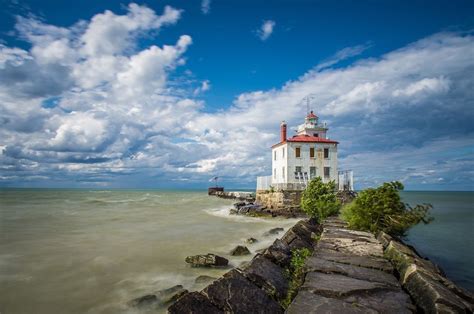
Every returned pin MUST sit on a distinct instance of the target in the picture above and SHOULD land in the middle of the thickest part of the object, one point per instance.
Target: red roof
(311, 115)
(307, 139)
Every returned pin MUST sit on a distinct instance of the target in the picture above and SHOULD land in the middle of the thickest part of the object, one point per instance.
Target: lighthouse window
(326, 153)
(283, 152)
(297, 152)
(274, 173)
(283, 172)
(316, 134)
(311, 152)
(326, 171)
(274, 155)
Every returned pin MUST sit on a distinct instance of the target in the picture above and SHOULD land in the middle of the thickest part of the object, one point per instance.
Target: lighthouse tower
(304, 156)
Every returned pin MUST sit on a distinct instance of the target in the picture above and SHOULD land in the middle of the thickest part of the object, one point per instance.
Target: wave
(224, 212)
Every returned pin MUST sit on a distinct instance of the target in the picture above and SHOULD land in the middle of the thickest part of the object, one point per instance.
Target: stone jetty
(348, 272)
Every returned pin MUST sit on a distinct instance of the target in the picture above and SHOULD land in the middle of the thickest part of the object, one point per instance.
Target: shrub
(295, 273)
(319, 199)
(381, 209)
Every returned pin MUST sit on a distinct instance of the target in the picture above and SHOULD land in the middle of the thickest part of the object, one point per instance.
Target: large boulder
(207, 260)
(432, 296)
(194, 302)
(240, 250)
(234, 293)
(279, 252)
(268, 276)
(425, 282)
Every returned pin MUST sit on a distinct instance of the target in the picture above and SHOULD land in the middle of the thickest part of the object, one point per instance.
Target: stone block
(194, 302)
(268, 276)
(234, 293)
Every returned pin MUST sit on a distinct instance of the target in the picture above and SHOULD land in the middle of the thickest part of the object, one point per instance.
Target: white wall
(279, 163)
(305, 162)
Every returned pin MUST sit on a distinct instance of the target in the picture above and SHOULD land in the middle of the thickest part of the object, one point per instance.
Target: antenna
(308, 98)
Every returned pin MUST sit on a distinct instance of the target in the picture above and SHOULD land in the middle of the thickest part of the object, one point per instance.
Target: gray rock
(251, 241)
(273, 231)
(240, 250)
(161, 297)
(204, 279)
(336, 286)
(236, 294)
(324, 266)
(268, 276)
(363, 261)
(430, 295)
(300, 235)
(207, 260)
(309, 303)
(279, 252)
(194, 302)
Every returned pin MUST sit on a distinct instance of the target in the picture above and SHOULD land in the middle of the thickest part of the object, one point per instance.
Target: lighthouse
(304, 156)
(298, 159)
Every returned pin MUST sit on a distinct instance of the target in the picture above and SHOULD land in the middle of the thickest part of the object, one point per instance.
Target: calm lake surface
(80, 251)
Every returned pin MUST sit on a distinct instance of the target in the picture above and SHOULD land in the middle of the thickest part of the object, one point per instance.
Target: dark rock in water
(170, 295)
(207, 260)
(146, 300)
(161, 297)
(273, 231)
(204, 279)
(238, 205)
(251, 240)
(267, 275)
(234, 293)
(279, 252)
(240, 250)
(194, 302)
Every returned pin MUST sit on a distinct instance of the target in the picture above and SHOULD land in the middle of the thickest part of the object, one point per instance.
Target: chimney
(283, 131)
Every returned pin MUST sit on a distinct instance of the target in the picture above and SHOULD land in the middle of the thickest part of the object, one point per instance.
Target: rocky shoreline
(353, 272)
(258, 287)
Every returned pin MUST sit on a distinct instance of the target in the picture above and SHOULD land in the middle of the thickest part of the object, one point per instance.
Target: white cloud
(426, 85)
(119, 112)
(109, 34)
(266, 29)
(205, 86)
(206, 6)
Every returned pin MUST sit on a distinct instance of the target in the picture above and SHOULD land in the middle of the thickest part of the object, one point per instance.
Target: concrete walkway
(348, 274)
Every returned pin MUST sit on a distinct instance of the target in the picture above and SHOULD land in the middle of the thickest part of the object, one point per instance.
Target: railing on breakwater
(345, 182)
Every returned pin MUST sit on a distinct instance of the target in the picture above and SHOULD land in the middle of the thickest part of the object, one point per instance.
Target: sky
(168, 94)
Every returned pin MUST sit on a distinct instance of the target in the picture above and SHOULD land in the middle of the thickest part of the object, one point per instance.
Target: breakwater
(348, 271)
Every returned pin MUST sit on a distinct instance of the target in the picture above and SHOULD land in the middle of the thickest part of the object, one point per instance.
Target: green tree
(381, 209)
(319, 199)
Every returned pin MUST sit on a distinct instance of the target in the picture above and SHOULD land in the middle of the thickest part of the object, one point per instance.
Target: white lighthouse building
(308, 154)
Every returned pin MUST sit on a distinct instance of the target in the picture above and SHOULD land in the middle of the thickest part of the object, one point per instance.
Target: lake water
(449, 239)
(79, 251)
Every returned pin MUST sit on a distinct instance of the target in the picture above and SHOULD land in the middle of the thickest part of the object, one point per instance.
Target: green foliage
(381, 209)
(295, 273)
(272, 189)
(319, 199)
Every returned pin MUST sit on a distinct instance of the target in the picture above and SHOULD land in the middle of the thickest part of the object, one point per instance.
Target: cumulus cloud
(266, 30)
(78, 110)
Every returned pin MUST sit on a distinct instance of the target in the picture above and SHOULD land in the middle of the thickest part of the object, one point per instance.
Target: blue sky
(169, 93)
